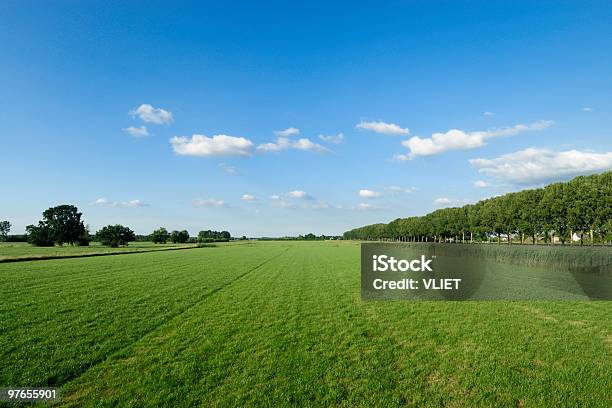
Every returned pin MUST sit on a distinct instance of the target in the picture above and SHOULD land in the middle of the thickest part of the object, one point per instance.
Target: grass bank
(558, 256)
(19, 252)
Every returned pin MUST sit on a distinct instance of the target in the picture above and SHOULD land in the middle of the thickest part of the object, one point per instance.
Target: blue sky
(438, 104)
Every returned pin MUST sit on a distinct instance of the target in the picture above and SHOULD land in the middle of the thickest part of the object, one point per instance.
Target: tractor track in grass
(169, 319)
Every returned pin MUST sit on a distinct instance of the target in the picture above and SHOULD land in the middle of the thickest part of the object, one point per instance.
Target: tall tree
(5, 228)
(64, 224)
(160, 236)
(115, 235)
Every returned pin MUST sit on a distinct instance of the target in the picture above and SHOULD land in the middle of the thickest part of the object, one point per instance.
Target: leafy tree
(179, 237)
(160, 236)
(5, 228)
(85, 239)
(212, 236)
(64, 223)
(582, 205)
(115, 235)
(39, 235)
(60, 224)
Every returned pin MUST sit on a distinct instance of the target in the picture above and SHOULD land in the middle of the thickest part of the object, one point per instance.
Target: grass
(558, 256)
(282, 324)
(10, 251)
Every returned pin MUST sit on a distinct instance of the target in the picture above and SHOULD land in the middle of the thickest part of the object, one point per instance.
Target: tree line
(555, 213)
(63, 225)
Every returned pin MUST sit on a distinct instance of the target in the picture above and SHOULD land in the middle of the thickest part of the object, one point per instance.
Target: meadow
(283, 324)
(10, 251)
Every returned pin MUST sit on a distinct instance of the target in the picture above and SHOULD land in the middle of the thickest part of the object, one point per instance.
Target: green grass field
(19, 250)
(282, 324)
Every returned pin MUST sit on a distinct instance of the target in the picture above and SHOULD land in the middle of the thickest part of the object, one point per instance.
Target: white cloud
(103, 202)
(228, 169)
(369, 194)
(291, 131)
(481, 184)
(446, 202)
(456, 139)
(275, 197)
(534, 165)
(218, 145)
(298, 194)
(209, 202)
(334, 139)
(248, 197)
(487, 113)
(401, 157)
(366, 206)
(384, 128)
(136, 131)
(587, 109)
(397, 190)
(308, 145)
(283, 143)
(148, 113)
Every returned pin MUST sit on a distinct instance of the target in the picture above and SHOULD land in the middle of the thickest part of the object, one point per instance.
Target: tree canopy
(160, 236)
(179, 237)
(212, 236)
(61, 224)
(5, 228)
(582, 205)
(115, 235)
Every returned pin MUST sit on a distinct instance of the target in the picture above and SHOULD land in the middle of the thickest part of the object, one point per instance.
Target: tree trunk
(499, 238)
(509, 239)
(591, 232)
(471, 237)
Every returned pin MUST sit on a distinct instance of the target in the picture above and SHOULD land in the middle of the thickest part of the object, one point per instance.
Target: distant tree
(5, 228)
(179, 237)
(60, 224)
(205, 236)
(160, 236)
(85, 239)
(310, 237)
(64, 224)
(115, 235)
(39, 235)
(556, 211)
(243, 238)
(212, 236)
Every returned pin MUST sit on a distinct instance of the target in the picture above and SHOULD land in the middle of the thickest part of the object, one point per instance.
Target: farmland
(282, 324)
(21, 250)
